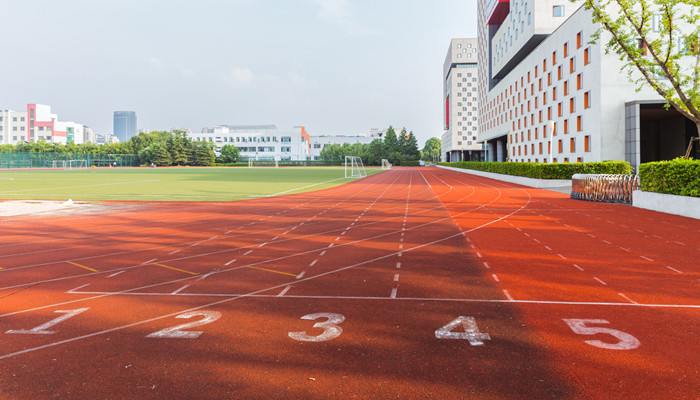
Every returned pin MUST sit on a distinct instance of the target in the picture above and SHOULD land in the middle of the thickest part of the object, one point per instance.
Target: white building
(540, 71)
(460, 102)
(38, 123)
(319, 142)
(259, 142)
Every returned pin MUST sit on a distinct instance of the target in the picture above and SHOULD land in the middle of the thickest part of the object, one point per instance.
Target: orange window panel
(587, 100)
(587, 143)
(579, 124)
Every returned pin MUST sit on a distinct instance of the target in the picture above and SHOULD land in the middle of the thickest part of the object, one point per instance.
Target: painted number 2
(178, 332)
(625, 340)
(471, 331)
(330, 327)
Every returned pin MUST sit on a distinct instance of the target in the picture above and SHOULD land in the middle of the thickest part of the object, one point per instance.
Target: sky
(338, 67)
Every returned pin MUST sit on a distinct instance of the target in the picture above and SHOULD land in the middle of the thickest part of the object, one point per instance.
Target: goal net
(77, 164)
(385, 164)
(58, 164)
(263, 163)
(354, 167)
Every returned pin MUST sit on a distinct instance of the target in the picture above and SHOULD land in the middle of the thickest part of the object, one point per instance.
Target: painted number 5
(625, 340)
(330, 327)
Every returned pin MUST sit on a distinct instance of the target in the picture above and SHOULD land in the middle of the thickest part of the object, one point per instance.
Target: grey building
(125, 125)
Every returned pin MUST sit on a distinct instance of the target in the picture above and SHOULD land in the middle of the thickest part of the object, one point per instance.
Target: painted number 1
(42, 329)
(625, 340)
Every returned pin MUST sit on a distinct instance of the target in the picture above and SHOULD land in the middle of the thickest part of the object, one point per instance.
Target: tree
(180, 147)
(432, 149)
(661, 40)
(412, 147)
(229, 154)
(390, 140)
(203, 154)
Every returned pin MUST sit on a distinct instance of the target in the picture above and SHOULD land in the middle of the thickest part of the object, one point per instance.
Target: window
(656, 22)
(566, 49)
(579, 124)
(554, 94)
(579, 81)
(566, 88)
(559, 110)
(554, 58)
(578, 40)
(587, 100)
(558, 11)
(587, 143)
(586, 56)
(559, 72)
(549, 79)
(560, 144)
(572, 105)
(572, 145)
(572, 64)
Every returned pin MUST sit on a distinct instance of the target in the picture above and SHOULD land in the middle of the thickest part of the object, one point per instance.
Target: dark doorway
(664, 134)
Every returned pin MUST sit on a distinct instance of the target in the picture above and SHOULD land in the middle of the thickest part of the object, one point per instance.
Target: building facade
(259, 142)
(125, 125)
(460, 102)
(549, 95)
(319, 142)
(38, 123)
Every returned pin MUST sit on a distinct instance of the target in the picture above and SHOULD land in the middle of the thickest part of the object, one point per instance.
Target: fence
(15, 160)
(604, 187)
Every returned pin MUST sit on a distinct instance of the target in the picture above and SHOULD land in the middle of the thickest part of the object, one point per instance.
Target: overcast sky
(335, 66)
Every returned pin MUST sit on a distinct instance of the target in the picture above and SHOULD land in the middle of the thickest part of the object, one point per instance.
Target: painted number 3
(625, 340)
(330, 327)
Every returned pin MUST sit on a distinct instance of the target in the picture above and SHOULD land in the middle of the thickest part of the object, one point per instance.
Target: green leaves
(680, 177)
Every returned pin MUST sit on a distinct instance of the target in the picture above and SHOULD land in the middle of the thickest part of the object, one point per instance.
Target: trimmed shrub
(680, 177)
(546, 171)
(409, 163)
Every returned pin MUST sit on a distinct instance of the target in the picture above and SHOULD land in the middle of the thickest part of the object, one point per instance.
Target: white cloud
(155, 63)
(340, 13)
(185, 72)
(240, 76)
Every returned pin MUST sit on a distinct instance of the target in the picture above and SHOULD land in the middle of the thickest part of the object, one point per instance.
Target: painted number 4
(471, 331)
(625, 340)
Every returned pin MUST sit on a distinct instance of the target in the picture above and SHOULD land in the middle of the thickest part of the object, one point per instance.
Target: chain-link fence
(15, 160)
(604, 187)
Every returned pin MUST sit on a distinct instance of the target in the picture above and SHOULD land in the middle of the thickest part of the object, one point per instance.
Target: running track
(414, 283)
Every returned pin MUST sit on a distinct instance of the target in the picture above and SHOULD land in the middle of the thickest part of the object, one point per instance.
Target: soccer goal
(58, 164)
(354, 167)
(385, 164)
(77, 164)
(263, 163)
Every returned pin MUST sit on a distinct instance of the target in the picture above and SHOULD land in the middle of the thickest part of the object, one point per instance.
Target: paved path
(414, 283)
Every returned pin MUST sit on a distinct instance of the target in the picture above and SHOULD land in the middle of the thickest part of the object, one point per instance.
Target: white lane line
(400, 254)
(313, 262)
(78, 288)
(398, 265)
(331, 245)
(508, 296)
(247, 252)
(180, 290)
(495, 278)
(627, 298)
(472, 246)
(681, 243)
(274, 238)
(195, 244)
(674, 270)
(486, 265)
(527, 234)
(647, 258)
(116, 273)
(262, 244)
(605, 241)
(600, 281)
(208, 274)
(285, 232)
(561, 256)
(336, 239)
(581, 269)
(548, 248)
(478, 254)
(396, 277)
(393, 293)
(301, 275)
(231, 262)
(284, 291)
(148, 262)
(322, 253)
(624, 249)
(173, 252)
(536, 240)
(401, 247)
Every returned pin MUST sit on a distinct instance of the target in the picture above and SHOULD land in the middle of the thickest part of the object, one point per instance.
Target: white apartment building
(460, 102)
(259, 142)
(38, 123)
(319, 142)
(548, 95)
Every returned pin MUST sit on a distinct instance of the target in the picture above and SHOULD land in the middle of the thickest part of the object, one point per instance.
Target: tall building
(460, 102)
(546, 94)
(125, 125)
(38, 123)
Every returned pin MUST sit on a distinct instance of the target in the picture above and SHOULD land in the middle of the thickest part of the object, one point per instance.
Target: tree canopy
(660, 39)
(432, 149)
(396, 149)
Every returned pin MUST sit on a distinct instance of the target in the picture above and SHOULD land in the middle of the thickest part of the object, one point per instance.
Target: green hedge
(680, 177)
(409, 163)
(546, 171)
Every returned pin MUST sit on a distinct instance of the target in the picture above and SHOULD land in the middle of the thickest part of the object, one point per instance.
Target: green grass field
(168, 184)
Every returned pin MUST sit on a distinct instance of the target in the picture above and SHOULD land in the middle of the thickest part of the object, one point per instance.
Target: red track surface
(578, 299)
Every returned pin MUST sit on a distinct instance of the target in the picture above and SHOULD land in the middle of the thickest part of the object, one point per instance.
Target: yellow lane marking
(82, 266)
(269, 270)
(177, 269)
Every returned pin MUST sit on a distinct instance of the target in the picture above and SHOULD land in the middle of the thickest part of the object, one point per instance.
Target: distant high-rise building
(460, 101)
(125, 125)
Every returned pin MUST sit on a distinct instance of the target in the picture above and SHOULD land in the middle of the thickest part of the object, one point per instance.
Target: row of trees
(162, 148)
(395, 148)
